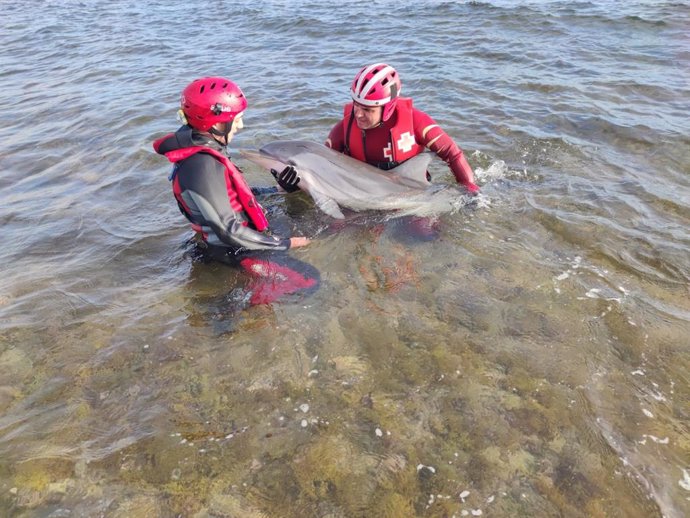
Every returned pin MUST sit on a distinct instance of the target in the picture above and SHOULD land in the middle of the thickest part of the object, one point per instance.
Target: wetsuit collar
(197, 138)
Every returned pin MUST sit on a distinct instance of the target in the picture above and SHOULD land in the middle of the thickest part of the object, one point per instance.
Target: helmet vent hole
(384, 82)
(213, 85)
(203, 87)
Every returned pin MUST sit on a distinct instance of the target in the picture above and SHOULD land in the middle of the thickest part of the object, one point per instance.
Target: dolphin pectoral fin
(326, 204)
(412, 172)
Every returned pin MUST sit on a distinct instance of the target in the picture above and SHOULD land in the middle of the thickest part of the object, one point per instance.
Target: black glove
(287, 178)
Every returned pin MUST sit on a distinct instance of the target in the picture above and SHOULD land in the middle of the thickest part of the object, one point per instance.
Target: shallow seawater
(531, 359)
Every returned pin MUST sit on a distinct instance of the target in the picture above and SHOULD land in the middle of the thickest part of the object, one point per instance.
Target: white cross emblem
(388, 152)
(405, 142)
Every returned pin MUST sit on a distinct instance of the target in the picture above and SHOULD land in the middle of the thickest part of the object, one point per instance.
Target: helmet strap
(218, 135)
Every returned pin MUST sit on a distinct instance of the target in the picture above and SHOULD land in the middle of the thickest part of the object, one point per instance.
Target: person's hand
(473, 188)
(296, 242)
(287, 178)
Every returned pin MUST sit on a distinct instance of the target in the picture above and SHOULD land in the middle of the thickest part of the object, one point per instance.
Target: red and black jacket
(212, 193)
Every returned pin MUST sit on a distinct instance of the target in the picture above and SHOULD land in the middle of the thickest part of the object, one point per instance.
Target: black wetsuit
(200, 180)
(200, 185)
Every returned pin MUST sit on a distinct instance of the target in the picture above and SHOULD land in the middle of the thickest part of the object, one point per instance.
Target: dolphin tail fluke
(412, 172)
(326, 204)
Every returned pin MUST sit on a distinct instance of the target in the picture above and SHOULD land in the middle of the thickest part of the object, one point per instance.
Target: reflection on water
(526, 357)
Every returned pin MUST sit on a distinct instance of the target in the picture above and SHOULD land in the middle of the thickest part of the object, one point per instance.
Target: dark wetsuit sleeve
(336, 138)
(202, 182)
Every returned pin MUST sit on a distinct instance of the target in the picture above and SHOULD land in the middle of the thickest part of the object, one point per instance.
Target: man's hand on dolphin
(298, 242)
(287, 178)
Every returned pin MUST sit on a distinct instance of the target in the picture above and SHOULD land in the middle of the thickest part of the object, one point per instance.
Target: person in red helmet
(213, 195)
(383, 129)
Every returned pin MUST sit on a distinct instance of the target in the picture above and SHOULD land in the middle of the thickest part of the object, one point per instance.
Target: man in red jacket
(383, 129)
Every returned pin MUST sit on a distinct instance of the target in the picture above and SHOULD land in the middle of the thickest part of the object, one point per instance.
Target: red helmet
(210, 100)
(377, 85)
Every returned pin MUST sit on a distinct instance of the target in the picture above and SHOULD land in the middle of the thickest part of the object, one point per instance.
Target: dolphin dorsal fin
(412, 172)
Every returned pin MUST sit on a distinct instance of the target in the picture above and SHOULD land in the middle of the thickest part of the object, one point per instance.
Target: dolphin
(335, 180)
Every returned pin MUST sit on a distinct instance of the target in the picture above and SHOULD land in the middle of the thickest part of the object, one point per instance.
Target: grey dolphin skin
(336, 180)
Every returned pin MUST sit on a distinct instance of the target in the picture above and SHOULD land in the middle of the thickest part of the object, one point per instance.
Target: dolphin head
(280, 153)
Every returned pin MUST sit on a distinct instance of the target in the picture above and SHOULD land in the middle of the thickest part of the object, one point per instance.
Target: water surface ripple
(531, 361)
